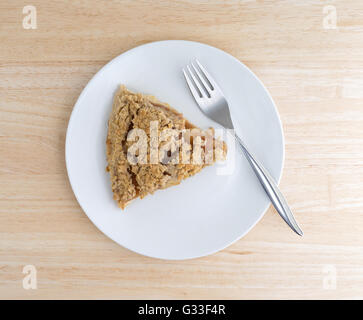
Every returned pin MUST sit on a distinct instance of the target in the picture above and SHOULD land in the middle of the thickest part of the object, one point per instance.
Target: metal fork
(214, 105)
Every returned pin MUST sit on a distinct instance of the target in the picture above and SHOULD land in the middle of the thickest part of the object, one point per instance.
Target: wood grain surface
(313, 71)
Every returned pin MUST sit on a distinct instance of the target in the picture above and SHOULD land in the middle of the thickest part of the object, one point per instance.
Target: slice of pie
(151, 146)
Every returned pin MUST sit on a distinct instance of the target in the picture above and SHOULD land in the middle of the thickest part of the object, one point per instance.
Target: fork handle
(271, 189)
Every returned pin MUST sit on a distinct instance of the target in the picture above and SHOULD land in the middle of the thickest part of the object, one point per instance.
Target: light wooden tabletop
(313, 68)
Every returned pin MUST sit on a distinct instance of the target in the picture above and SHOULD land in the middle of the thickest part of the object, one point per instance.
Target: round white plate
(206, 212)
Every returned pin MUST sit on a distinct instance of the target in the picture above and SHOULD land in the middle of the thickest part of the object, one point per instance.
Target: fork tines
(200, 83)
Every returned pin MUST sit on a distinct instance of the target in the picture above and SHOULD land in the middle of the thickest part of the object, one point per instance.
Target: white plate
(205, 213)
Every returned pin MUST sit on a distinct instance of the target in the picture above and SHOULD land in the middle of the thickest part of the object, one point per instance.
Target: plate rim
(108, 65)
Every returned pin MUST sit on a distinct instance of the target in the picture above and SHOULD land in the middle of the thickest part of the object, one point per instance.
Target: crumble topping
(131, 179)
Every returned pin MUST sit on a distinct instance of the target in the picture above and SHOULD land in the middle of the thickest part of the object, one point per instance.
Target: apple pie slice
(151, 146)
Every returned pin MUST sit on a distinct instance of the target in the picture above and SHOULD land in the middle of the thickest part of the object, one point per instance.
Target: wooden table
(313, 71)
